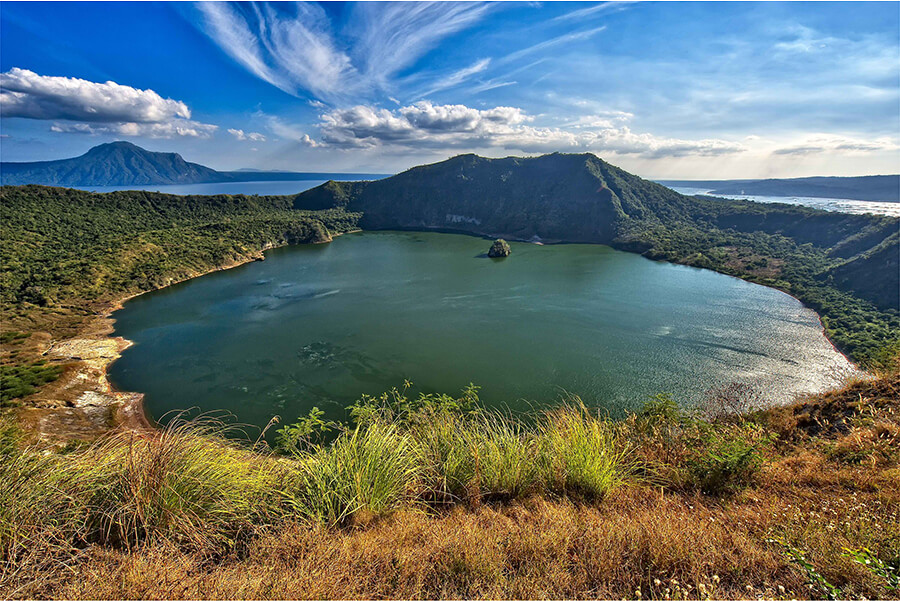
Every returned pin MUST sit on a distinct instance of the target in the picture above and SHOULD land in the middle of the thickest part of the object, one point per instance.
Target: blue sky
(666, 90)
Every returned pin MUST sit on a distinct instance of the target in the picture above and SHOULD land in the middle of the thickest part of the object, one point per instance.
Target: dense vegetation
(18, 381)
(846, 267)
(435, 497)
(60, 245)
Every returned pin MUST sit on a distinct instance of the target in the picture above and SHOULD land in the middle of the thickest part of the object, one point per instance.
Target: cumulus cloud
(428, 125)
(248, 136)
(95, 107)
(172, 129)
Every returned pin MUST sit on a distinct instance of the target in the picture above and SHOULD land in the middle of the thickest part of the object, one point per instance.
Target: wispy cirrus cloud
(552, 42)
(82, 106)
(290, 47)
(457, 77)
(840, 144)
(297, 49)
(390, 36)
(594, 10)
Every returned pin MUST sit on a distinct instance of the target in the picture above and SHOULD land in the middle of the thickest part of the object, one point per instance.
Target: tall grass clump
(367, 471)
(581, 453)
(684, 450)
(484, 455)
(185, 483)
(36, 512)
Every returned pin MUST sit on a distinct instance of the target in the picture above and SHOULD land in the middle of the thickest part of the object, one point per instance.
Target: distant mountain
(581, 198)
(113, 164)
(125, 164)
(882, 188)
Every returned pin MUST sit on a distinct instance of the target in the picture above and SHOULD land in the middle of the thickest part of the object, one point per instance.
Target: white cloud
(457, 77)
(831, 144)
(296, 48)
(290, 50)
(24, 93)
(95, 107)
(172, 129)
(428, 125)
(590, 11)
(289, 132)
(393, 35)
(563, 39)
(248, 136)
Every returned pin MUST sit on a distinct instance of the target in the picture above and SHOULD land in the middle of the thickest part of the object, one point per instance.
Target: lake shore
(84, 404)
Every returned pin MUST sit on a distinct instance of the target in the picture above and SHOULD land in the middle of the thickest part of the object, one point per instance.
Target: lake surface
(318, 325)
(841, 205)
(273, 188)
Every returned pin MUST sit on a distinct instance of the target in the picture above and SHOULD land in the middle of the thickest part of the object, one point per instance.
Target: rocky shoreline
(82, 404)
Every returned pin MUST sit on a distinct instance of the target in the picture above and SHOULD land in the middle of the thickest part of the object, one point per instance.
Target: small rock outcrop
(500, 248)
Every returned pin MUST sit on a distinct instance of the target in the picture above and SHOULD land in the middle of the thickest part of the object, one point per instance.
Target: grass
(17, 381)
(369, 471)
(418, 500)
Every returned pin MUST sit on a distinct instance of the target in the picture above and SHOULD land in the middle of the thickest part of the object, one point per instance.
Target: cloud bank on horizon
(665, 90)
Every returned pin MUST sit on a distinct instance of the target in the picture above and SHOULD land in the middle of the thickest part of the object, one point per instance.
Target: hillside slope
(580, 198)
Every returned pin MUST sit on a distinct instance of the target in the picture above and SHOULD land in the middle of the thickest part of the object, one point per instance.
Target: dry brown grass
(639, 539)
(830, 482)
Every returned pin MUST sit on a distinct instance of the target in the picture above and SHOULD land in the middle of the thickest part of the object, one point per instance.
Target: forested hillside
(844, 266)
(64, 247)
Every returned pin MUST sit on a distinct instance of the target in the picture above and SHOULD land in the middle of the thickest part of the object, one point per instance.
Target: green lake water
(319, 325)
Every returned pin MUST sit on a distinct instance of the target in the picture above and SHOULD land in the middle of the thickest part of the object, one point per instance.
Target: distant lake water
(274, 188)
(319, 325)
(842, 205)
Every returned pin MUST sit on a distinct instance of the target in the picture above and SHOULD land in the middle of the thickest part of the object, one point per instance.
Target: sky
(665, 90)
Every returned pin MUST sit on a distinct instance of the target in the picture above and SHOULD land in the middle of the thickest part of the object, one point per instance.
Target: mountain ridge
(126, 164)
(110, 164)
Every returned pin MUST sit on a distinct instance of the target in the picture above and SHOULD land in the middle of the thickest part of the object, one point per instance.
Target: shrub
(308, 430)
(17, 381)
(724, 460)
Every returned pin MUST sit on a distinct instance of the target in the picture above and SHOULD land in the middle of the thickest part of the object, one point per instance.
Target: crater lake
(319, 325)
